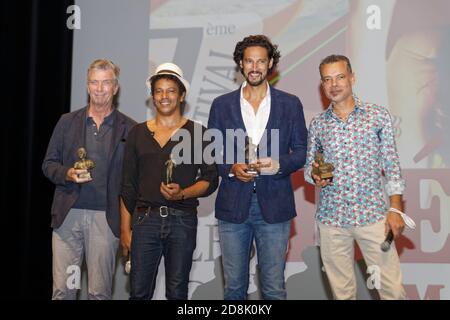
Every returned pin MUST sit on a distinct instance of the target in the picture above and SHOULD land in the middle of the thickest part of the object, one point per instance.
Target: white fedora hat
(171, 69)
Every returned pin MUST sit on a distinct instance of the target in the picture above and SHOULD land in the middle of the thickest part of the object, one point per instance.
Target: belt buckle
(163, 211)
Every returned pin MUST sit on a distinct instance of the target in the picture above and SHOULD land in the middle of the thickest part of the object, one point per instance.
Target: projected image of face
(417, 76)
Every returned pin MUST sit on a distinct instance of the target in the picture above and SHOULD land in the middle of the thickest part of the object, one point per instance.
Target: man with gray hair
(85, 209)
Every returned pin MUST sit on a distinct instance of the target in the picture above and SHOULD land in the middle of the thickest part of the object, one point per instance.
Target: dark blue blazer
(275, 194)
(62, 153)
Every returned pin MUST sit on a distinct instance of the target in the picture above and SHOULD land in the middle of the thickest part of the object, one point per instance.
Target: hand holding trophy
(168, 188)
(170, 164)
(251, 159)
(324, 170)
(83, 164)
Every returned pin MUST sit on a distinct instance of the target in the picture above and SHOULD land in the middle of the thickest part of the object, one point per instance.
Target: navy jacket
(67, 137)
(275, 194)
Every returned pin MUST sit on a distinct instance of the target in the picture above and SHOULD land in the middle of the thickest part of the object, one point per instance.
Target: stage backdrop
(400, 53)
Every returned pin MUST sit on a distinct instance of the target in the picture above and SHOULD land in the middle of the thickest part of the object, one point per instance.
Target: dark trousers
(174, 238)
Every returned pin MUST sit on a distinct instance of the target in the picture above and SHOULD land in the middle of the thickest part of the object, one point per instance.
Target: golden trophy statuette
(325, 170)
(170, 164)
(83, 164)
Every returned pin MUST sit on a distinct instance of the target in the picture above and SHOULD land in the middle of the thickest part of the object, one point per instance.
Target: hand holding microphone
(386, 245)
(393, 224)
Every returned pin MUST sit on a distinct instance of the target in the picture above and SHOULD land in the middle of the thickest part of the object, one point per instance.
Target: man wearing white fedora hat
(159, 196)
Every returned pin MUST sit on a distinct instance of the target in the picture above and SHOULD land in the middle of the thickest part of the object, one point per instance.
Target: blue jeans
(172, 237)
(271, 246)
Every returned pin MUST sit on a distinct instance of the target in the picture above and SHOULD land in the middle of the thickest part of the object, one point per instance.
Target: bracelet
(182, 195)
(396, 211)
(408, 221)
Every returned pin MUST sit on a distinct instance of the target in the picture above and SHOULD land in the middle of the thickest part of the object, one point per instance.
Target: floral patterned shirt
(361, 150)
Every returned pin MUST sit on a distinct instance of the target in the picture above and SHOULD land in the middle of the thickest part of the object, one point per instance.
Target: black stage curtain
(36, 53)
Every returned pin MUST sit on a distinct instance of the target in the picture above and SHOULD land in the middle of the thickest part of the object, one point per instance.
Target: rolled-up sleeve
(208, 172)
(390, 160)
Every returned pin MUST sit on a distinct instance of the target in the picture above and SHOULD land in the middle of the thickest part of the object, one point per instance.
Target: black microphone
(386, 245)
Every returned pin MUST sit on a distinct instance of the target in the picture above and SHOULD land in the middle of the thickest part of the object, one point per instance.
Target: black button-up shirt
(144, 168)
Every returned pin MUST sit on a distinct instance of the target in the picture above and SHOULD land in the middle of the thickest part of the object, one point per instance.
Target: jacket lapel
(79, 133)
(275, 110)
(235, 112)
(274, 121)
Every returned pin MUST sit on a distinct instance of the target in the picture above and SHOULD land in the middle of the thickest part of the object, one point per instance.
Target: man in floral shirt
(358, 139)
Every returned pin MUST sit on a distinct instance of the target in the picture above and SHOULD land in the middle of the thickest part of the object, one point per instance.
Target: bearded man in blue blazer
(255, 200)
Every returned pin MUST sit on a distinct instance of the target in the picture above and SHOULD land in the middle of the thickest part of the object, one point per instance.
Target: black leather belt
(163, 211)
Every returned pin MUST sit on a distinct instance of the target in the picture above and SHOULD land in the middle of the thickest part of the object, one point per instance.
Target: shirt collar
(267, 96)
(359, 107)
(108, 120)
